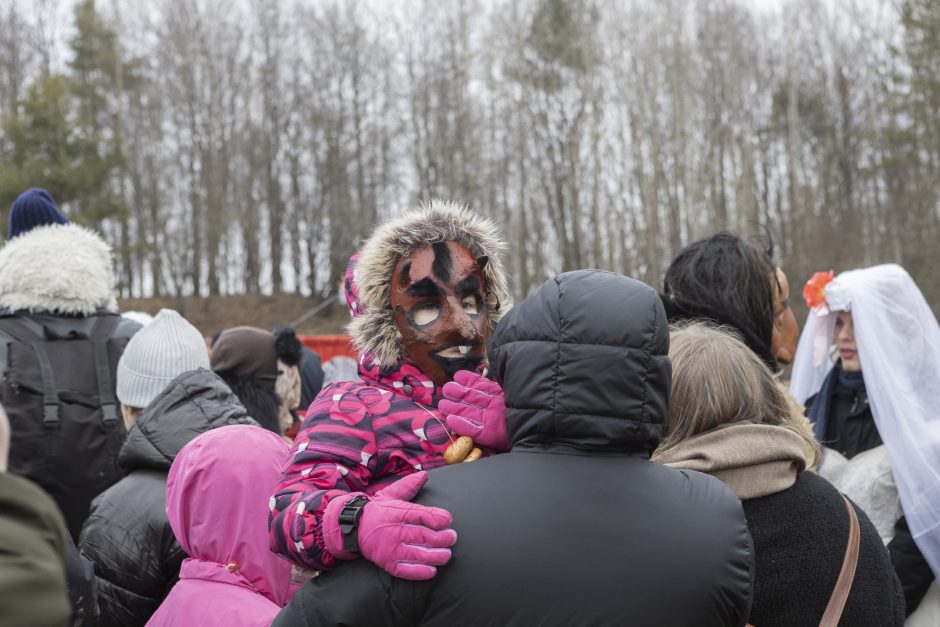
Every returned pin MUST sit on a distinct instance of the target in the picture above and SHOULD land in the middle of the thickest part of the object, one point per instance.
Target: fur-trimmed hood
(58, 269)
(374, 330)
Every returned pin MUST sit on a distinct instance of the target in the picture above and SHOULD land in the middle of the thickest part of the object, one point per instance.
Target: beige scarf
(752, 460)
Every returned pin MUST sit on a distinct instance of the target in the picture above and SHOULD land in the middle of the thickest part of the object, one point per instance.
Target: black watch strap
(349, 522)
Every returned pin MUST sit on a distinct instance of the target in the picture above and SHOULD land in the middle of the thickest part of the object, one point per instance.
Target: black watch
(349, 522)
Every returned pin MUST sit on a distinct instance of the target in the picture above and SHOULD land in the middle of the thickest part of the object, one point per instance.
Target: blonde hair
(717, 380)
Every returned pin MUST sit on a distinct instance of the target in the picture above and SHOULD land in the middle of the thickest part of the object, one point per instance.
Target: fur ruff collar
(374, 331)
(58, 269)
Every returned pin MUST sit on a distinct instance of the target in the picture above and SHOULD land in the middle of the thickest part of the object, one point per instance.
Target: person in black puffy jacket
(127, 535)
(574, 525)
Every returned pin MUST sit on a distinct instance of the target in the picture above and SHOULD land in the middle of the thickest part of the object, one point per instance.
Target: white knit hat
(157, 354)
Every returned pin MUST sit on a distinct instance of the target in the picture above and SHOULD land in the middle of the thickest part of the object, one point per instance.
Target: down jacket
(127, 535)
(574, 526)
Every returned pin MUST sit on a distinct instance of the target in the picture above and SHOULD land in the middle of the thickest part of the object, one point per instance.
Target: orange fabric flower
(814, 292)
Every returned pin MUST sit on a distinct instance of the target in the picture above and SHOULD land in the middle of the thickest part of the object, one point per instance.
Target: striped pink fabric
(356, 437)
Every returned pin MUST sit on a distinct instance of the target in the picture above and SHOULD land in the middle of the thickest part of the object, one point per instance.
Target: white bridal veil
(898, 343)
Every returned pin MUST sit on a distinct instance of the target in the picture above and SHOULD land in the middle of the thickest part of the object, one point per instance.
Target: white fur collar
(61, 268)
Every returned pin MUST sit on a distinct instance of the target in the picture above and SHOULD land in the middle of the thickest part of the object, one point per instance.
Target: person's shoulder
(138, 488)
(126, 328)
(691, 481)
(135, 505)
(18, 494)
(16, 488)
(811, 497)
(310, 358)
(808, 404)
(812, 485)
(205, 601)
(694, 493)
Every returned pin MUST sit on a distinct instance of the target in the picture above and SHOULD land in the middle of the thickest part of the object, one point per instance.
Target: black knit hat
(33, 208)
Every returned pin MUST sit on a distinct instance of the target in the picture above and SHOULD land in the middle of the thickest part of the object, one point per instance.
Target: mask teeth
(463, 349)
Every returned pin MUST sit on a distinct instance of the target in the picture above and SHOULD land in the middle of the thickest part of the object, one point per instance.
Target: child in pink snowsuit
(424, 293)
(216, 498)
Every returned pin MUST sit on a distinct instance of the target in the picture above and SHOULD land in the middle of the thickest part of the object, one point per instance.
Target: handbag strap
(840, 594)
(844, 584)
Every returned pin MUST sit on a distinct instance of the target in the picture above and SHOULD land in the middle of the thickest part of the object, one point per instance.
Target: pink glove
(406, 539)
(475, 406)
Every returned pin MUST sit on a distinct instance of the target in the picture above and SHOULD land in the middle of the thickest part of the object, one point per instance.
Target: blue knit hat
(33, 208)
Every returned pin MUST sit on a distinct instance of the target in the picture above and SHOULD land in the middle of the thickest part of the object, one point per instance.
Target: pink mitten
(474, 406)
(406, 539)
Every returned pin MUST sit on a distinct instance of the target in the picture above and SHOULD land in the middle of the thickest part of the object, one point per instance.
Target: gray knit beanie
(157, 354)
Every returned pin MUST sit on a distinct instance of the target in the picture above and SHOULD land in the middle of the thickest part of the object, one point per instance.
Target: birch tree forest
(245, 146)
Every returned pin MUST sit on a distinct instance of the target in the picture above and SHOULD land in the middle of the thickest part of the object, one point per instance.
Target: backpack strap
(30, 326)
(32, 333)
(100, 333)
(50, 394)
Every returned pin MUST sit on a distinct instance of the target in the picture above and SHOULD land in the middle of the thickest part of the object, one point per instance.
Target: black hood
(583, 363)
(192, 403)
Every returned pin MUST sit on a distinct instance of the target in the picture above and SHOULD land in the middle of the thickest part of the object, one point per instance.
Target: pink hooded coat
(217, 503)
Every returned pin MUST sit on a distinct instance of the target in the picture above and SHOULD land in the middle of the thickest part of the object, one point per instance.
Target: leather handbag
(840, 593)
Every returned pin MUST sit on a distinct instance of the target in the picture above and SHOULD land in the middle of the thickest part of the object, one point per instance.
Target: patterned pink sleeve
(333, 454)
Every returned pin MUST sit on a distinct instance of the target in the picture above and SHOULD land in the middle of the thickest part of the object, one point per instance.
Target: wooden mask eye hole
(426, 314)
(470, 305)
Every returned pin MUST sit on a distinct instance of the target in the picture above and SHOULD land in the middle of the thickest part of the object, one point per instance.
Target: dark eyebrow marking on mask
(424, 287)
(442, 261)
(470, 284)
(405, 277)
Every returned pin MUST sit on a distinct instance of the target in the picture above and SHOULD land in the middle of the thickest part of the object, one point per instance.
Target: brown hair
(717, 380)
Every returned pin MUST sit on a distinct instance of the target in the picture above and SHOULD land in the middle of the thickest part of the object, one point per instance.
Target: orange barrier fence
(329, 346)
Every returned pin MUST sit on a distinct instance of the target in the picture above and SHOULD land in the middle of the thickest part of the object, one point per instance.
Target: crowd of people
(601, 452)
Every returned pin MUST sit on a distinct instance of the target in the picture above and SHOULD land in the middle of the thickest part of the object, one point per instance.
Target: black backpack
(58, 378)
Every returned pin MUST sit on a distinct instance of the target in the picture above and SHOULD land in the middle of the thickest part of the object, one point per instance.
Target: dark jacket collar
(193, 403)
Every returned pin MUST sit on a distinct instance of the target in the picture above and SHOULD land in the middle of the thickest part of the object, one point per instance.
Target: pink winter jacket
(217, 502)
(358, 436)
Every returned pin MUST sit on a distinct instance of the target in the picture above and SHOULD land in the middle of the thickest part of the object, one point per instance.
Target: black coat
(850, 425)
(311, 377)
(127, 534)
(83, 591)
(575, 525)
(910, 565)
(32, 556)
(800, 536)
